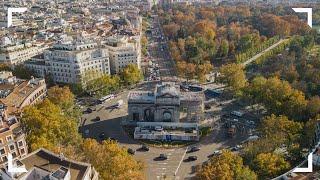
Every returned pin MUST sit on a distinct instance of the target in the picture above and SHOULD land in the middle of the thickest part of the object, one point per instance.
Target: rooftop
(141, 96)
(55, 164)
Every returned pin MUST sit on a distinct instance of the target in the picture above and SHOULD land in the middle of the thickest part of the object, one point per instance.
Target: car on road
(194, 149)
(119, 103)
(163, 157)
(192, 158)
(131, 151)
(237, 113)
(158, 128)
(90, 110)
(98, 118)
(215, 153)
(144, 148)
(101, 136)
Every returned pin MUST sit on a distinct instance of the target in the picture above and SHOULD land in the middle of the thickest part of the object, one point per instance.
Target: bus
(106, 98)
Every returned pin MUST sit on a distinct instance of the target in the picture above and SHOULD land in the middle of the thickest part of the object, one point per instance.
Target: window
(20, 143)
(22, 151)
(2, 151)
(4, 159)
(11, 147)
(9, 138)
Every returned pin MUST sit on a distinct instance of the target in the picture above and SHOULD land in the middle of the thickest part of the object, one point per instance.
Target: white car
(217, 152)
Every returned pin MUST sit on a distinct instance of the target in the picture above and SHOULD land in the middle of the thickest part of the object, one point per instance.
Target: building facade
(12, 138)
(15, 93)
(17, 54)
(165, 104)
(166, 114)
(72, 62)
(122, 52)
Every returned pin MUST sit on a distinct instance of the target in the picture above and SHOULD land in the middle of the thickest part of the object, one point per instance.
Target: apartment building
(44, 164)
(71, 62)
(12, 138)
(14, 54)
(122, 52)
(15, 93)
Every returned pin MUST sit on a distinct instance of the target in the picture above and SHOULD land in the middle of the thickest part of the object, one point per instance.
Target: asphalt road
(110, 125)
(159, 51)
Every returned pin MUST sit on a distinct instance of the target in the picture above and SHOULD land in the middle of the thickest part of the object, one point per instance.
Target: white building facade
(17, 54)
(123, 52)
(72, 62)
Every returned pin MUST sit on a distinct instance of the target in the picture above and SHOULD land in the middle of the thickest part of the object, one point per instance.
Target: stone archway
(148, 115)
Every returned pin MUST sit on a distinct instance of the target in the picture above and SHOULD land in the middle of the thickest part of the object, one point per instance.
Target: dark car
(89, 110)
(194, 149)
(131, 151)
(98, 118)
(101, 136)
(161, 157)
(192, 158)
(144, 148)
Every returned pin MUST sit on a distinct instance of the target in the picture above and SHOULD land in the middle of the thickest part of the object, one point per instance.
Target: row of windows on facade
(68, 65)
(39, 93)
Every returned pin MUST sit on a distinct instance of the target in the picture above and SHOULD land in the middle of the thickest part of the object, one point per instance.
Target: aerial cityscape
(159, 90)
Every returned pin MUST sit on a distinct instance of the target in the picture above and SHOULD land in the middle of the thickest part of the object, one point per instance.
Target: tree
(280, 130)
(269, 165)
(233, 75)
(48, 127)
(202, 70)
(278, 97)
(131, 74)
(21, 72)
(224, 48)
(111, 161)
(61, 96)
(313, 106)
(4, 67)
(171, 30)
(144, 45)
(104, 85)
(308, 136)
(190, 71)
(225, 166)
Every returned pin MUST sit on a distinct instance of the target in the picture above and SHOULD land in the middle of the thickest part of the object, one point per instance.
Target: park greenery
(284, 80)
(53, 124)
(106, 84)
(225, 166)
(224, 34)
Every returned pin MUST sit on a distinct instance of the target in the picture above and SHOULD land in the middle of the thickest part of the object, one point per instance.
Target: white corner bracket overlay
(14, 10)
(11, 168)
(305, 10)
(307, 169)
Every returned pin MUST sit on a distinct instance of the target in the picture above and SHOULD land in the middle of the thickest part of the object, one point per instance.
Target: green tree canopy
(233, 75)
(112, 161)
(131, 74)
(277, 96)
(46, 126)
(225, 166)
(269, 165)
